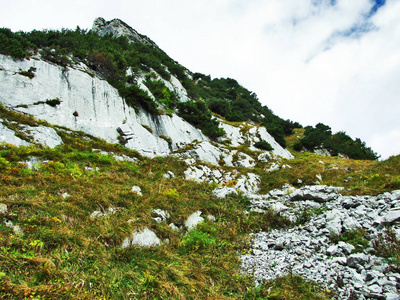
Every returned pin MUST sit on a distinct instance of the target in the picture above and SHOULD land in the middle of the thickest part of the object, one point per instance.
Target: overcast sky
(330, 61)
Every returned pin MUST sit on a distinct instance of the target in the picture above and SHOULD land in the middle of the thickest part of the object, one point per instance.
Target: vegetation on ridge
(112, 58)
(321, 137)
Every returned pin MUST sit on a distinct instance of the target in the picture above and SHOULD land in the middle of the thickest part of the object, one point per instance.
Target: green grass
(65, 254)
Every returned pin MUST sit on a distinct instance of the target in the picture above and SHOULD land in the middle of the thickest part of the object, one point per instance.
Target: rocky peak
(119, 28)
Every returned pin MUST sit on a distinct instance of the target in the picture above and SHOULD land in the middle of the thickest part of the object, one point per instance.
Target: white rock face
(45, 135)
(89, 104)
(8, 136)
(92, 105)
(239, 136)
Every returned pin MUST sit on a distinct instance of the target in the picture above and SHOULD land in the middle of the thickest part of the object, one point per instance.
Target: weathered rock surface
(98, 214)
(160, 215)
(3, 208)
(8, 136)
(119, 28)
(223, 191)
(308, 250)
(89, 104)
(245, 183)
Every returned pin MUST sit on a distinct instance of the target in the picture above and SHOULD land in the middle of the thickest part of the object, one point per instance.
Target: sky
(331, 61)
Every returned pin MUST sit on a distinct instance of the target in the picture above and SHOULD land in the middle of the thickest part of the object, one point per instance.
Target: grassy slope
(64, 254)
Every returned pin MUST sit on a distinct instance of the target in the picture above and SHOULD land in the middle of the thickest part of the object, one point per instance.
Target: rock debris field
(311, 251)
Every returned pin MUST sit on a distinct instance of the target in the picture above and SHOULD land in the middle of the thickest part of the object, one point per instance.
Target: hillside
(126, 176)
(147, 80)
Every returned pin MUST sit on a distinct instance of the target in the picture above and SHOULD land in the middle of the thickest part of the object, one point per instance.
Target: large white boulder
(145, 238)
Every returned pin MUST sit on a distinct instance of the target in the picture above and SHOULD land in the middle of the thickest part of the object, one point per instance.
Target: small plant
(148, 128)
(354, 237)
(167, 139)
(387, 245)
(30, 73)
(172, 193)
(75, 114)
(197, 240)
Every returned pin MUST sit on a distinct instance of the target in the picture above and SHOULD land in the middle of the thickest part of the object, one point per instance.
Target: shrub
(165, 138)
(197, 114)
(264, 145)
(338, 143)
(388, 245)
(135, 96)
(30, 73)
(52, 102)
(197, 240)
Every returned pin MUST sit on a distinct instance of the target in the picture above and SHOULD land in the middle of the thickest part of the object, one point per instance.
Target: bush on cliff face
(135, 96)
(162, 93)
(264, 145)
(197, 114)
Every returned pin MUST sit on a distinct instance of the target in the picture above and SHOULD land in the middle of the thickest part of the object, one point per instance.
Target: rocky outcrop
(308, 250)
(245, 183)
(118, 28)
(248, 134)
(40, 135)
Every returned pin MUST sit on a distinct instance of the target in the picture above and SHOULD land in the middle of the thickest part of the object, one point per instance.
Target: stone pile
(308, 249)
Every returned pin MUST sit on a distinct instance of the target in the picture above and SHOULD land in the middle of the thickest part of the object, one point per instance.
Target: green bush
(197, 114)
(197, 240)
(263, 145)
(135, 97)
(338, 143)
(162, 93)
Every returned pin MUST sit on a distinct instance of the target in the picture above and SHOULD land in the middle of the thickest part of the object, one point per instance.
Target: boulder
(8, 136)
(223, 191)
(145, 238)
(319, 194)
(193, 220)
(357, 259)
(392, 216)
(3, 208)
(137, 190)
(160, 215)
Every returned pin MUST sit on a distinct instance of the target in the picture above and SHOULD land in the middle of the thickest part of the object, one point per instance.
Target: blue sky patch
(377, 5)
